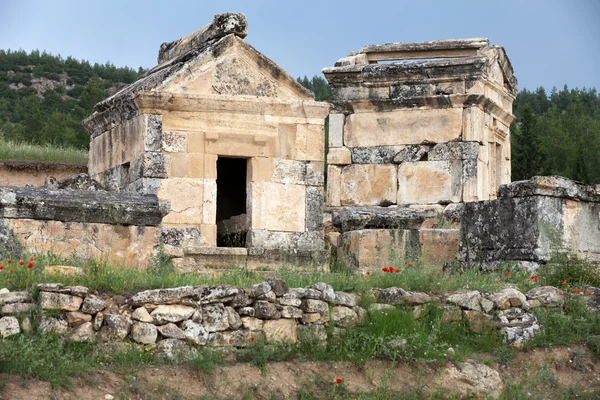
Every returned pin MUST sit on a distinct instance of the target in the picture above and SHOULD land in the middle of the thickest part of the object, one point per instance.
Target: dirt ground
(544, 373)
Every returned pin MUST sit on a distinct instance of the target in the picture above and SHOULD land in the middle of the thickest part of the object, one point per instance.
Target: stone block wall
(418, 134)
(120, 228)
(21, 173)
(531, 222)
(177, 322)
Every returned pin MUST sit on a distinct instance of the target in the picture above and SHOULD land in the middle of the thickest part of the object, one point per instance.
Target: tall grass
(29, 152)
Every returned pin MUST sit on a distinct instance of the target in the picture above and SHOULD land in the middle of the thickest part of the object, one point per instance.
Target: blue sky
(550, 42)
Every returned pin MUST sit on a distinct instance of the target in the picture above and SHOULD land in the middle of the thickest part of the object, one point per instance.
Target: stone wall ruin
(416, 130)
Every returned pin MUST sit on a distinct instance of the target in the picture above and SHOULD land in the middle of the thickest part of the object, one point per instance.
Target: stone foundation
(533, 221)
(21, 173)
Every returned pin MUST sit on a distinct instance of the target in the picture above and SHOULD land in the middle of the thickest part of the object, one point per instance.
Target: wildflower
(338, 380)
(573, 291)
(578, 290)
(11, 271)
(384, 269)
(368, 272)
(507, 273)
(532, 277)
(564, 283)
(21, 262)
(589, 291)
(1, 266)
(252, 338)
(30, 265)
(410, 265)
(529, 394)
(31, 259)
(397, 270)
(536, 279)
(9, 261)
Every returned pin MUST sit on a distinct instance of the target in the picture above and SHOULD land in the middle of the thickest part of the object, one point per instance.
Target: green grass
(29, 152)
(108, 278)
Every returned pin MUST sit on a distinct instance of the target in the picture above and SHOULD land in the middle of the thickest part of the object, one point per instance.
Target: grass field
(29, 152)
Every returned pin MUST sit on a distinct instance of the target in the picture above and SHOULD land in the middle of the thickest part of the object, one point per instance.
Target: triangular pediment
(234, 68)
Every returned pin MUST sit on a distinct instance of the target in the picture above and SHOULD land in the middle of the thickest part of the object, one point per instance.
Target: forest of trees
(554, 134)
(32, 112)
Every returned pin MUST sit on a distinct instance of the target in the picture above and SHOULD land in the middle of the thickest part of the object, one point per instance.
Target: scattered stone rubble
(178, 320)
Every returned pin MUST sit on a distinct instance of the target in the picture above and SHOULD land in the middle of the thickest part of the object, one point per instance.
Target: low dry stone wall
(176, 321)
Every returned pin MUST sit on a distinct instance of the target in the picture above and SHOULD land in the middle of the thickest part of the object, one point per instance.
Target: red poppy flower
(536, 279)
(507, 273)
(590, 293)
(9, 261)
(578, 290)
(30, 265)
(339, 380)
(252, 339)
(368, 272)
(410, 265)
(573, 291)
(1, 266)
(397, 270)
(384, 269)
(564, 283)
(31, 259)
(21, 262)
(532, 277)
(11, 271)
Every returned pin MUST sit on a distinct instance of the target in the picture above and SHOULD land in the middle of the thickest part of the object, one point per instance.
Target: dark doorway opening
(231, 202)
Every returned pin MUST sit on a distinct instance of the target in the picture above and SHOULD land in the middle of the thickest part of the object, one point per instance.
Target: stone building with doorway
(232, 142)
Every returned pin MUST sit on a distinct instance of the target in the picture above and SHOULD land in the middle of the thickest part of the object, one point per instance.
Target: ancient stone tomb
(416, 126)
(228, 138)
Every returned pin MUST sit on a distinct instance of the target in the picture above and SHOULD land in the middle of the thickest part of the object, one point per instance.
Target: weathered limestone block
(80, 206)
(547, 295)
(344, 299)
(115, 327)
(334, 185)
(15, 297)
(98, 320)
(265, 310)
(175, 350)
(266, 239)
(339, 156)
(92, 305)
(162, 296)
(83, 333)
(454, 151)
(222, 25)
(375, 154)
(233, 318)
(403, 127)
(396, 295)
(311, 318)
(171, 330)
(344, 317)
(53, 325)
(476, 379)
(269, 201)
(232, 338)
(469, 300)
(314, 208)
(80, 291)
(252, 324)
(327, 292)
(290, 312)
(217, 294)
(412, 153)
(532, 221)
(171, 313)
(281, 331)
(194, 332)
(355, 218)
(508, 298)
(9, 326)
(517, 326)
(174, 142)
(59, 301)
(215, 317)
(430, 182)
(439, 246)
(76, 318)
(368, 185)
(144, 333)
(315, 306)
(142, 315)
(16, 308)
(336, 130)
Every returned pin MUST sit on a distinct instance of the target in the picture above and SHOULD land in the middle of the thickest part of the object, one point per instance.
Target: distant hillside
(44, 98)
